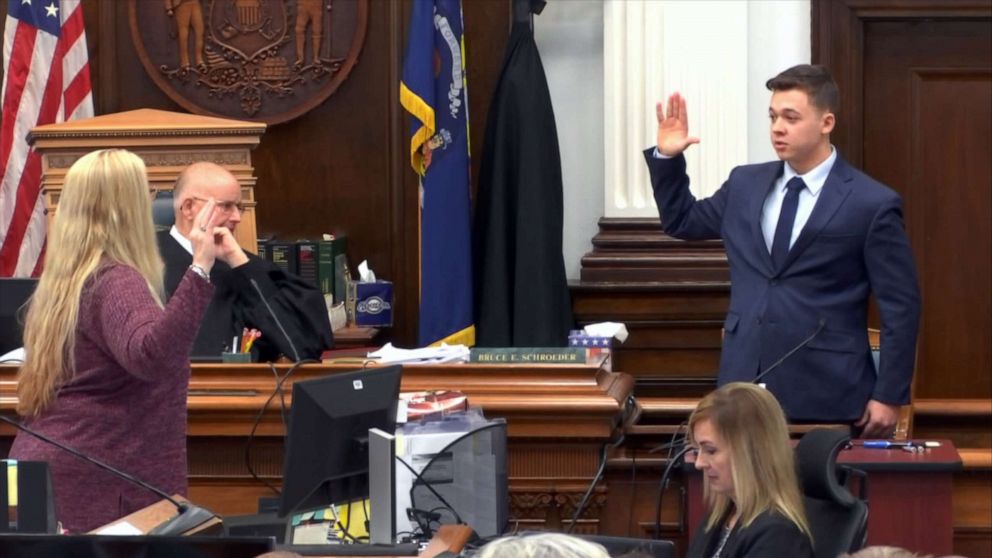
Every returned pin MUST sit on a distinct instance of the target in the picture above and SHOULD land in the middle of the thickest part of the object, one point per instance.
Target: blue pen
(886, 444)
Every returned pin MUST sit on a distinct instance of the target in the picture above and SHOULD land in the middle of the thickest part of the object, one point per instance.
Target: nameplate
(529, 355)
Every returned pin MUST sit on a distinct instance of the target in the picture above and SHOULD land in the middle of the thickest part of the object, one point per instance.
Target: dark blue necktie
(786, 220)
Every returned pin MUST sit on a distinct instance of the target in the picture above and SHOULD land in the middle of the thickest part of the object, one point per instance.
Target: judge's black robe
(237, 305)
(521, 291)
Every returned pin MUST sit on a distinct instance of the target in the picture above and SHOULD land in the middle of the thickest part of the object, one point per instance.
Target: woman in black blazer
(749, 477)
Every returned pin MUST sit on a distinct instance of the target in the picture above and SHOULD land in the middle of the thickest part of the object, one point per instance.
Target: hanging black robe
(521, 293)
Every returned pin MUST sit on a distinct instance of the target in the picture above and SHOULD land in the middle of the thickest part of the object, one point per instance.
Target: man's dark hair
(814, 80)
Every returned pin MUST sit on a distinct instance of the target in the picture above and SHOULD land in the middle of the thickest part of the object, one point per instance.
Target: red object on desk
(433, 404)
(909, 496)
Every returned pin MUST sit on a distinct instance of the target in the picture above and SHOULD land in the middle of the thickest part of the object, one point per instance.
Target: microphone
(777, 363)
(663, 484)
(296, 355)
(190, 515)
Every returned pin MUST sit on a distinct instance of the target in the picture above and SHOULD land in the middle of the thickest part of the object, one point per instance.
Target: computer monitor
(14, 292)
(35, 500)
(153, 546)
(327, 450)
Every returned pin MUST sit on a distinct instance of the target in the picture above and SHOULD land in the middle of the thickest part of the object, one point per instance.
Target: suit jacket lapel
(766, 178)
(835, 191)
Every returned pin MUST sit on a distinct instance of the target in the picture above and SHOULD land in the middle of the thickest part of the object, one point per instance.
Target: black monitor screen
(327, 457)
(14, 292)
(156, 546)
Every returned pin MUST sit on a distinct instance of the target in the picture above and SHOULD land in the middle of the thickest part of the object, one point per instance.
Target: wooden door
(916, 87)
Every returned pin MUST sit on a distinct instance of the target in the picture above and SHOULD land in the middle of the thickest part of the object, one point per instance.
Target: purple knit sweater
(126, 401)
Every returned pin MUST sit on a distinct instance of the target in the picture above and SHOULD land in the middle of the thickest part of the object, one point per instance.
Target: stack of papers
(389, 354)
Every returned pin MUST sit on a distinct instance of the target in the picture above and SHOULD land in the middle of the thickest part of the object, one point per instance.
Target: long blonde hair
(104, 215)
(752, 424)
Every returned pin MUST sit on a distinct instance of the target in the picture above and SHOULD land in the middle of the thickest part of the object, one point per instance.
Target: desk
(909, 496)
(448, 538)
(353, 336)
(558, 417)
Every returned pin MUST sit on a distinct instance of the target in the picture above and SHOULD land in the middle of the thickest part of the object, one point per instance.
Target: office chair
(838, 519)
(163, 214)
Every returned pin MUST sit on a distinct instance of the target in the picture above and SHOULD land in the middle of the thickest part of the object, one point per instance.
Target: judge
(236, 303)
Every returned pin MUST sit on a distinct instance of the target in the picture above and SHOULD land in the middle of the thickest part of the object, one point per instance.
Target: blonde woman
(107, 367)
(749, 477)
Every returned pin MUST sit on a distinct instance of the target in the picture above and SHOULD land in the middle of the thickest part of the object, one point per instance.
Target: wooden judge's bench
(166, 141)
(559, 417)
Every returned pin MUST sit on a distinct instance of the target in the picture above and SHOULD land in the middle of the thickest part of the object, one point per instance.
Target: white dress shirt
(185, 243)
(814, 180)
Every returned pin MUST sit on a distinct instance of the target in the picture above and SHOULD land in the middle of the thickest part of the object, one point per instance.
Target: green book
(327, 253)
(529, 355)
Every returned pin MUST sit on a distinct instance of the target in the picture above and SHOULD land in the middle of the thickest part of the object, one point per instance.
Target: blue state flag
(433, 90)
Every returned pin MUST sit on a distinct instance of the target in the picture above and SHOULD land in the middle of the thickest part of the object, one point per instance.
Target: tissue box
(578, 338)
(373, 303)
(593, 345)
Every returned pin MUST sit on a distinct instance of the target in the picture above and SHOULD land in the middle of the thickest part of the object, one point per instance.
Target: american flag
(46, 79)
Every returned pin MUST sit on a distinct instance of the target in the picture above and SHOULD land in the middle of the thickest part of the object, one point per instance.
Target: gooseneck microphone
(296, 355)
(663, 484)
(189, 516)
(757, 379)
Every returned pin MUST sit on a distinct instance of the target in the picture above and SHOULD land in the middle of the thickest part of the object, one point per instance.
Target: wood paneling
(916, 82)
(344, 166)
(938, 159)
(917, 115)
(671, 294)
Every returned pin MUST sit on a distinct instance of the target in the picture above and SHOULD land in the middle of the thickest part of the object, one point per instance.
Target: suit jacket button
(773, 282)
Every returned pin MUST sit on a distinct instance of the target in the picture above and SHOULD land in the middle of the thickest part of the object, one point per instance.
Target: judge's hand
(879, 420)
(673, 128)
(228, 249)
(201, 236)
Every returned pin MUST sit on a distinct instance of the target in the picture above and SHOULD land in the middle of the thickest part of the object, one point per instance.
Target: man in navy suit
(809, 239)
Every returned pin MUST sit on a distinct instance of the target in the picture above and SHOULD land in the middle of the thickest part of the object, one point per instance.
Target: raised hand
(673, 129)
(201, 236)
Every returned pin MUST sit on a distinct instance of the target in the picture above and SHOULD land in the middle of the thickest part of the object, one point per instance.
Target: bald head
(200, 182)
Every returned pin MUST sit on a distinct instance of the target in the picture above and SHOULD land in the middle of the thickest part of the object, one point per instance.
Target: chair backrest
(838, 520)
(163, 214)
